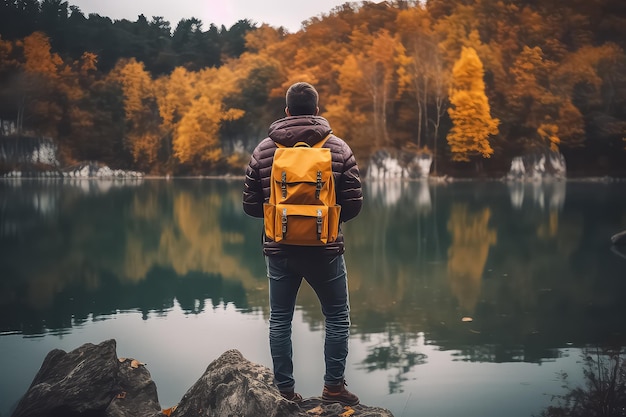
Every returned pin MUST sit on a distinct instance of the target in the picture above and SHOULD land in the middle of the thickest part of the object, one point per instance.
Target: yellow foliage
(470, 112)
(196, 113)
(143, 137)
(265, 36)
(549, 133)
(196, 134)
(137, 85)
(346, 120)
(144, 144)
(471, 239)
(174, 95)
(350, 75)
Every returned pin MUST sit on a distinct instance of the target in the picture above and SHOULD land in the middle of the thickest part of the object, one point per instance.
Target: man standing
(323, 267)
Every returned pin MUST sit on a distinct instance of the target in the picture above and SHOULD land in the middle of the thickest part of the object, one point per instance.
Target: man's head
(302, 100)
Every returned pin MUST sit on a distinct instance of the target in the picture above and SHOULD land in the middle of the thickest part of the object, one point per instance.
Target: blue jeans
(328, 278)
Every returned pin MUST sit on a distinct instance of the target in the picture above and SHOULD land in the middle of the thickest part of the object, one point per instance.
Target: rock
(399, 164)
(234, 386)
(138, 395)
(538, 166)
(225, 384)
(92, 381)
(90, 169)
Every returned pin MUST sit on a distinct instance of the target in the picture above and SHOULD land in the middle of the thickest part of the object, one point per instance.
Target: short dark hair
(302, 99)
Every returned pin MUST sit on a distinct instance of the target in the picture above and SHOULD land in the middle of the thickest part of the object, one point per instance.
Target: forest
(473, 83)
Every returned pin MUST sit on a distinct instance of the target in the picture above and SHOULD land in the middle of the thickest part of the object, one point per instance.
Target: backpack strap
(322, 142)
(306, 145)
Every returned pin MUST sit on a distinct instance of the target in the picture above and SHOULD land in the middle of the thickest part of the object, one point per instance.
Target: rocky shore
(92, 381)
(82, 170)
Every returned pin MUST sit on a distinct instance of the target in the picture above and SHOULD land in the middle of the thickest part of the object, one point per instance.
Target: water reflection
(529, 263)
(390, 193)
(544, 195)
(400, 353)
(136, 247)
(533, 280)
(467, 255)
(603, 393)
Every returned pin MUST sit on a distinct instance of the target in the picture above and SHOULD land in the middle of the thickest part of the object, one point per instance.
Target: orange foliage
(386, 73)
(38, 58)
(470, 113)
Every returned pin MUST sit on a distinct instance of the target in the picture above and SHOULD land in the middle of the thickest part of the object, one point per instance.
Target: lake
(468, 298)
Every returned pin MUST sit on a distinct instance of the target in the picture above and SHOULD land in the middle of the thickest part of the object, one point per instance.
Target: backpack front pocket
(301, 224)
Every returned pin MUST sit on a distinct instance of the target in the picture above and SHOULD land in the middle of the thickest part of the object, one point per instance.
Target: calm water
(172, 270)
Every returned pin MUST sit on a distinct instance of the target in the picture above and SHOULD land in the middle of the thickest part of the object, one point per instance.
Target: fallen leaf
(349, 411)
(169, 411)
(316, 411)
(136, 364)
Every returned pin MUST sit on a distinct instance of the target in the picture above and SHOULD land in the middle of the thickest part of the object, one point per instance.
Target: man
(323, 267)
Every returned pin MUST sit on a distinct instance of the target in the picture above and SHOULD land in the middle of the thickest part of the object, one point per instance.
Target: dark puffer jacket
(289, 131)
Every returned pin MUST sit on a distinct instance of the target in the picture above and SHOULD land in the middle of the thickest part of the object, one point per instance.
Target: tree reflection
(471, 239)
(604, 390)
(142, 248)
(420, 257)
(397, 353)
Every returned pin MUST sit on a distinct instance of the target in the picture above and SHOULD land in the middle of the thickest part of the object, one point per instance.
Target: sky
(288, 14)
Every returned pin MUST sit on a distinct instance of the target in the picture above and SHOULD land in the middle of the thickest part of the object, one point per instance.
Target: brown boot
(339, 394)
(291, 396)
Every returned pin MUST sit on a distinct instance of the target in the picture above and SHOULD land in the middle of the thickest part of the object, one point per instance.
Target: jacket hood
(293, 129)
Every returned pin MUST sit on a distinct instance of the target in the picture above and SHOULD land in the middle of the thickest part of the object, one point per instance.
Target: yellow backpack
(302, 208)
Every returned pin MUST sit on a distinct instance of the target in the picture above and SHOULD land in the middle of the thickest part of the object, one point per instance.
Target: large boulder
(233, 386)
(92, 381)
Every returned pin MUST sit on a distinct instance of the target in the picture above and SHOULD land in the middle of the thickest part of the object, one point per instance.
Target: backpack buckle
(319, 224)
(318, 186)
(283, 220)
(283, 184)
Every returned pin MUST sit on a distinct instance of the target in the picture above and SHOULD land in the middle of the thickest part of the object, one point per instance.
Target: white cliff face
(387, 168)
(538, 167)
(424, 162)
(45, 153)
(383, 165)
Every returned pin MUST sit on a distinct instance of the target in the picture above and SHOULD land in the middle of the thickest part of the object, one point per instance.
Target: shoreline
(17, 175)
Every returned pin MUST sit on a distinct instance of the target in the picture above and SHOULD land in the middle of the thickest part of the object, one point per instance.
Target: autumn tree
(258, 76)
(196, 136)
(38, 105)
(422, 73)
(553, 73)
(98, 126)
(368, 85)
(143, 136)
(470, 114)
